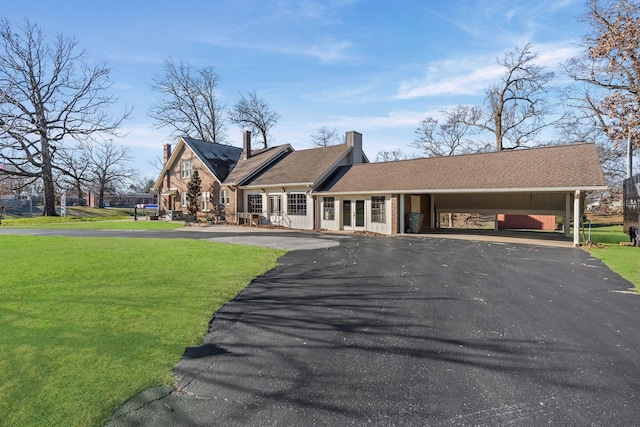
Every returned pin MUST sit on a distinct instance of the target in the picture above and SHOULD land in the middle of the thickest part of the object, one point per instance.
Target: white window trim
(224, 197)
(184, 171)
(205, 201)
(302, 206)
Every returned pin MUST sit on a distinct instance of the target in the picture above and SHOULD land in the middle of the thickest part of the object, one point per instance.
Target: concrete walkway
(502, 236)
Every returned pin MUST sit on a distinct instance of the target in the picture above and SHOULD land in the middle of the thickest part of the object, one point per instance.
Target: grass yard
(94, 224)
(624, 260)
(86, 323)
(91, 218)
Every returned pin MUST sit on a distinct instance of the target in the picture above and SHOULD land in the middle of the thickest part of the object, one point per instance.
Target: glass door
(275, 209)
(359, 213)
(346, 214)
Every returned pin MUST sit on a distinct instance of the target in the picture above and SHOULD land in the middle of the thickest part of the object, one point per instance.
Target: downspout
(236, 206)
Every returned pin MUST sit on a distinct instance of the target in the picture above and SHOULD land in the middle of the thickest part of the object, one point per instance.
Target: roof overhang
(279, 185)
(169, 192)
(468, 191)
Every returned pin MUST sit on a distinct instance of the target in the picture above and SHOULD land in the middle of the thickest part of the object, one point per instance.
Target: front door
(353, 215)
(346, 214)
(275, 209)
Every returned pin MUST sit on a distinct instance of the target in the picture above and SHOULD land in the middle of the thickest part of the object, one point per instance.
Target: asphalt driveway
(413, 331)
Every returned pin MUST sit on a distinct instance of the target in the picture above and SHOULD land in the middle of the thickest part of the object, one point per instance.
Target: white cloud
(144, 138)
(453, 77)
(472, 75)
(325, 49)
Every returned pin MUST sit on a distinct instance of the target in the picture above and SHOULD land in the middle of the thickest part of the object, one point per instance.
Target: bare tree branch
(325, 137)
(449, 136)
(49, 95)
(108, 167)
(189, 102)
(254, 114)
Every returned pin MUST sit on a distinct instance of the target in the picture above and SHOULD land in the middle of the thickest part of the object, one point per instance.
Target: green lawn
(91, 218)
(624, 260)
(86, 323)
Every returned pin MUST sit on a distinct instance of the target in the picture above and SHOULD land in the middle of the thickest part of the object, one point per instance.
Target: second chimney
(354, 139)
(246, 144)
(166, 153)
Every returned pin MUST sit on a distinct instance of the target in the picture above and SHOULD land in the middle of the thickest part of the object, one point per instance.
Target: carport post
(567, 215)
(576, 219)
(401, 213)
(432, 212)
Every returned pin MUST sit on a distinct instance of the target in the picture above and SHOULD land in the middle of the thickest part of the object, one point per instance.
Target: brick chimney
(354, 139)
(166, 153)
(246, 144)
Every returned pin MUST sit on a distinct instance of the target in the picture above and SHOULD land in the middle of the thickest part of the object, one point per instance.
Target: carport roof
(560, 168)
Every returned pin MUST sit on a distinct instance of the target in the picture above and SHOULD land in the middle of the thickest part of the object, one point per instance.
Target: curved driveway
(413, 331)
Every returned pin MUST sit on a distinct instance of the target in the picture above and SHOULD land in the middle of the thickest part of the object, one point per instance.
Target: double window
(328, 208)
(185, 169)
(183, 199)
(205, 201)
(255, 203)
(224, 197)
(377, 209)
(297, 204)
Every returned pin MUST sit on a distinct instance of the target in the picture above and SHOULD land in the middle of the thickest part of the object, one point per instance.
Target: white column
(401, 214)
(576, 219)
(567, 215)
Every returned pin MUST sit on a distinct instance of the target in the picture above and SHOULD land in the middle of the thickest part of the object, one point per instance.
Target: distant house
(336, 188)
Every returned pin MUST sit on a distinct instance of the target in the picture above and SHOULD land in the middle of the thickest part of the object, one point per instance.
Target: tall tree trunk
(80, 193)
(498, 125)
(47, 180)
(101, 197)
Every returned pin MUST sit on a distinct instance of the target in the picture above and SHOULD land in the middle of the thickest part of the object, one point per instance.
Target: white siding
(379, 227)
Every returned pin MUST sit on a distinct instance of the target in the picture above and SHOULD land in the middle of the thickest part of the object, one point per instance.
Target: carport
(545, 181)
(567, 204)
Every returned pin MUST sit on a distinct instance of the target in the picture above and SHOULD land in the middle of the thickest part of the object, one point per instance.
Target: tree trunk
(80, 194)
(498, 124)
(47, 181)
(101, 197)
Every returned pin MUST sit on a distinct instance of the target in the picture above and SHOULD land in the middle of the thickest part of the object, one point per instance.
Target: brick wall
(395, 214)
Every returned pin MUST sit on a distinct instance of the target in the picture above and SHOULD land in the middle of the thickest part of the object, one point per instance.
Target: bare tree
(254, 114)
(586, 121)
(49, 94)
(517, 106)
(189, 102)
(449, 136)
(391, 156)
(325, 137)
(108, 167)
(73, 168)
(610, 64)
(515, 111)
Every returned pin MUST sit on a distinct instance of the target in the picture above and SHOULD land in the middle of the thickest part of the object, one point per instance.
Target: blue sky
(374, 66)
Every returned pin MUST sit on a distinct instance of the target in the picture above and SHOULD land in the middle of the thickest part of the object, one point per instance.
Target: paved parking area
(413, 331)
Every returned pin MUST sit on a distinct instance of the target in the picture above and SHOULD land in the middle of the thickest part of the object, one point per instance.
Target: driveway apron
(413, 331)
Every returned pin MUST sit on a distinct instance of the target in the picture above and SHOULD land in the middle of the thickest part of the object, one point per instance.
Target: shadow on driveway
(409, 331)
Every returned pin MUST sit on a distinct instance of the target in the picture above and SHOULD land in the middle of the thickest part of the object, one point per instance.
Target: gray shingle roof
(567, 166)
(219, 158)
(304, 166)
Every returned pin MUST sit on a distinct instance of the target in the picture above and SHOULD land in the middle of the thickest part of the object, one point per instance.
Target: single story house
(336, 188)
